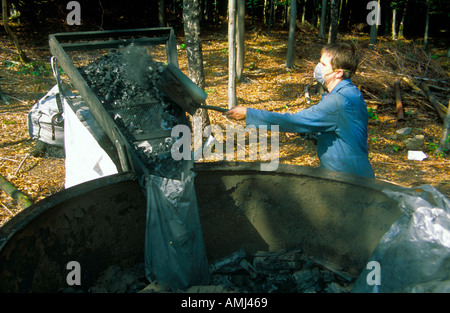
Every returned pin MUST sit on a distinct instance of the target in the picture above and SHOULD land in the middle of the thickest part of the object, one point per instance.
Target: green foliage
(372, 114)
(432, 146)
(395, 148)
(34, 68)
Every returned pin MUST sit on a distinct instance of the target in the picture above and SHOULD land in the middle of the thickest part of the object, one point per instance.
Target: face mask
(319, 73)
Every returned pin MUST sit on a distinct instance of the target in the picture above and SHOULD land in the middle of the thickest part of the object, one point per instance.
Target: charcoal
(231, 261)
(248, 267)
(305, 280)
(235, 273)
(332, 268)
(280, 260)
(118, 279)
(125, 82)
(335, 288)
(283, 271)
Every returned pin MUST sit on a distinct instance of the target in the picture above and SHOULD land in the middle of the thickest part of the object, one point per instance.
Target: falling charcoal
(124, 81)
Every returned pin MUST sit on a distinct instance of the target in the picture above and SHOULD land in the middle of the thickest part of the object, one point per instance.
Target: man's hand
(237, 113)
(290, 135)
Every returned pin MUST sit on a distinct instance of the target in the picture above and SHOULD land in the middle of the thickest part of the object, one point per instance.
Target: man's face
(327, 69)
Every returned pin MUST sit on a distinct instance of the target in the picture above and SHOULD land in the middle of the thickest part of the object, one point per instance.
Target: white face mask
(319, 73)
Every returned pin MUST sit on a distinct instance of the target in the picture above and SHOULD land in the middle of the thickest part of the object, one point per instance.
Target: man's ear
(340, 73)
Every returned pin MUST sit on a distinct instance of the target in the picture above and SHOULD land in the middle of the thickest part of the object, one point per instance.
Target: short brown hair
(343, 56)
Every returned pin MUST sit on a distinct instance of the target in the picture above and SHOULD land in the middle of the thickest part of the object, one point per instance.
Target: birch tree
(191, 14)
(240, 38)
(232, 100)
(394, 24)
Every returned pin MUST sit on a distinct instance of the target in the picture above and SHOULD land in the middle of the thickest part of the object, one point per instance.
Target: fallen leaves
(266, 85)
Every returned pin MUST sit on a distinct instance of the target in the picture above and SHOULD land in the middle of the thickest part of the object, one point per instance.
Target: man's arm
(321, 117)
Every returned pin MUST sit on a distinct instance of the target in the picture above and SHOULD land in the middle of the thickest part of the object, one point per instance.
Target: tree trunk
(374, 26)
(240, 38)
(191, 14)
(22, 56)
(344, 16)
(232, 101)
(265, 12)
(394, 24)
(402, 21)
(332, 35)
(161, 13)
(291, 39)
(271, 18)
(398, 101)
(322, 19)
(252, 8)
(304, 12)
(427, 23)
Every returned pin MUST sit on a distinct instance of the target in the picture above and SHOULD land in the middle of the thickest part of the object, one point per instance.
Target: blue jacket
(340, 120)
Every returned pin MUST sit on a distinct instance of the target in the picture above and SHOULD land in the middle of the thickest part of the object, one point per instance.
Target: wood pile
(413, 72)
(403, 73)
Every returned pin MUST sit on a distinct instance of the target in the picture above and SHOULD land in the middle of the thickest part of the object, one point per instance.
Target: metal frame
(92, 40)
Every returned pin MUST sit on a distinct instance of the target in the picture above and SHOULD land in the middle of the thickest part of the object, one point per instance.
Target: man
(340, 118)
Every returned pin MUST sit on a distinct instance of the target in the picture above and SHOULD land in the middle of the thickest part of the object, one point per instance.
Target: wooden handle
(211, 107)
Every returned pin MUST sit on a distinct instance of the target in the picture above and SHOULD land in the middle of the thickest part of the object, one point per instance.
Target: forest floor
(267, 84)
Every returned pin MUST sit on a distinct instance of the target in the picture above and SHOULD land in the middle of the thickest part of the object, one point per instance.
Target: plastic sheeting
(44, 120)
(175, 254)
(85, 158)
(414, 255)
